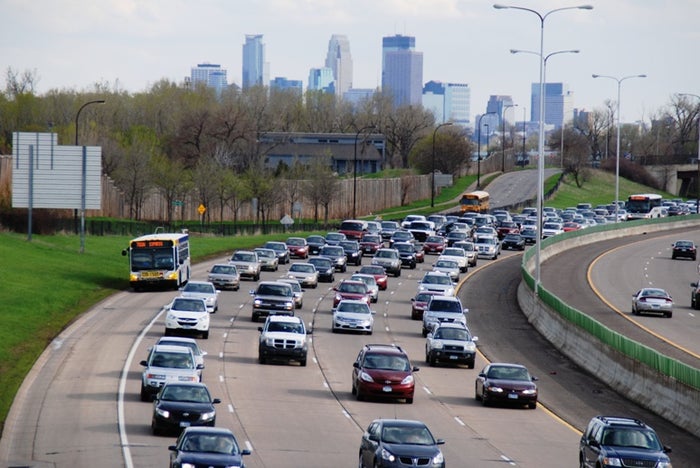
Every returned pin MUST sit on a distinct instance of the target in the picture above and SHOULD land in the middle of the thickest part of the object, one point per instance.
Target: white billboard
(46, 175)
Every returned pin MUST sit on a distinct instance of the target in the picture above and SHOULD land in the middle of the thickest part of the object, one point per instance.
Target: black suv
(620, 441)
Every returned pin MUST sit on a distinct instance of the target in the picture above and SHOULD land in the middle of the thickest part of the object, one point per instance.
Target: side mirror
(144, 363)
(252, 292)
(260, 329)
(416, 369)
(440, 442)
(475, 339)
(125, 253)
(216, 401)
(356, 365)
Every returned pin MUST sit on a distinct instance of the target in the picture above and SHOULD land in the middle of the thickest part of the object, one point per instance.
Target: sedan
(224, 276)
(206, 446)
(506, 384)
(513, 242)
(268, 259)
(684, 249)
(379, 274)
(180, 405)
(371, 284)
(202, 290)
(297, 247)
(397, 443)
(347, 289)
(315, 243)
(652, 301)
(371, 243)
(449, 267)
(305, 273)
(325, 268)
(350, 315)
(281, 249)
(434, 245)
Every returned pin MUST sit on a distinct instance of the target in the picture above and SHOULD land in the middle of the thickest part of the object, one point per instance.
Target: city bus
(644, 206)
(477, 201)
(161, 259)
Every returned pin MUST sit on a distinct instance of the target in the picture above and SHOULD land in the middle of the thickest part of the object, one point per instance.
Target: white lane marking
(459, 421)
(427, 390)
(314, 360)
(128, 462)
(221, 355)
(248, 445)
(230, 408)
(387, 329)
(346, 414)
(325, 384)
(221, 378)
(507, 460)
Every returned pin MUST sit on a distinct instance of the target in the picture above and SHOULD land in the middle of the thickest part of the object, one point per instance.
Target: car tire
(432, 361)
(254, 318)
(470, 364)
(409, 401)
(261, 359)
(154, 430)
(205, 335)
(256, 277)
(303, 362)
(144, 394)
(668, 314)
(398, 273)
(484, 400)
(532, 405)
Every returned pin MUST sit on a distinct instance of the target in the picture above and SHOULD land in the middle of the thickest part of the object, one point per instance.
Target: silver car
(191, 343)
(202, 290)
(167, 364)
(224, 276)
(269, 261)
(352, 315)
(652, 301)
(248, 264)
(449, 267)
(298, 291)
(305, 273)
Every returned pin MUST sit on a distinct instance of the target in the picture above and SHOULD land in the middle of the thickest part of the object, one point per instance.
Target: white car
(488, 247)
(305, 273)
(167, 364)
(191, 343)
(458, 255)
(352, 315)
(552, 229)
(283, 338)
(202, 290)
(187, 315)
(434, 281)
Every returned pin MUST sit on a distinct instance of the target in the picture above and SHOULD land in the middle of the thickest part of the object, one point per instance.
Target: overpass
(679, 179)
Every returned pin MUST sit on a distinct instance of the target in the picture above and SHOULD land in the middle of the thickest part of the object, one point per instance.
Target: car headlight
(338, 297)
(664, 464)
(257, 303)
(188, 465)
(529, 391)
(163, 413)
(387, 455)
(155, 376)
(439, 458)
(289, 305)
(495, 389)
(612, 461)
(438, 345)
(407, 380)
(470, 346)
(366, 377)
(208, 416)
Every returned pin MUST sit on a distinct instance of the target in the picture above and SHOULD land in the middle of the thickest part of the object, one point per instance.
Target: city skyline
(130, 46)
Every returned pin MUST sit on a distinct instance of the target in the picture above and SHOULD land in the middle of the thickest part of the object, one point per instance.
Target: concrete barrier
(665, 396)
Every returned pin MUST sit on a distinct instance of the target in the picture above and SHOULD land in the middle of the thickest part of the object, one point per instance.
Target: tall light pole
(354, 170)
(617, 153)
(82, 197)
(540, 162)
(478, 152)
(524, 133)
(432, 179)
(503, 136)
(697, 185)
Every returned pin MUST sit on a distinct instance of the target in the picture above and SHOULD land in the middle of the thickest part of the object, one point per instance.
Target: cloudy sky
(131, 44)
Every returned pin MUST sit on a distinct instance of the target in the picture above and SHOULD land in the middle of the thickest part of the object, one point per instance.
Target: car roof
(173, 339)
(172, 349)
(284, 318)
(208, 430)
(385, 349)
(400, 422)
(353, 301)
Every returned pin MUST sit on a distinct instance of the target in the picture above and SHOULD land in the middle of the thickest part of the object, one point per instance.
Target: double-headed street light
(432, 179)
(697, 185)
(354, 170)
(617, 154)
(478, 151)
(503, 136)
(540, 162)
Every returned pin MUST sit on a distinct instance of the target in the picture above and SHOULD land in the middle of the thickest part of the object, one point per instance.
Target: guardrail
(658, 382)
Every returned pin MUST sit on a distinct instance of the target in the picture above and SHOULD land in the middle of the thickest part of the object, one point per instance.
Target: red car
(297, 247)
(507, 227)
(434, 245)
(379, 274)
(350, 289)
(419, 302)
(370, 243)
(571, 226)
(383, 371)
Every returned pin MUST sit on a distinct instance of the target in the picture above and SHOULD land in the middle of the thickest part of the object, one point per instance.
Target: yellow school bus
(477, 201)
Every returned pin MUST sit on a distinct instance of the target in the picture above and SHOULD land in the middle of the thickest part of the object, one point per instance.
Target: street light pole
(503, 136)
(524, 133)
(354, 171)
(478, 151)
(617, 153)
(540, 162)
(84, 165)
(697, 184)
(432, 179)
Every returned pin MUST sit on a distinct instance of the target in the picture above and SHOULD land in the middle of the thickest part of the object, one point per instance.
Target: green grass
(47, 283)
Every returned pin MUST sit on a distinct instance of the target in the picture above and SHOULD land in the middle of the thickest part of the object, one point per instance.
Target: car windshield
(286, 327)
(508, 373)
(199, 288)
(445, 306)
(372, 270)
(224, 269)
(320, 263)
(333, 251)
(243, 257)
(631, 438)
(386, 254)
(315, 239)
(407, 435)
(171, 360)
(266, 253)
(371, 238)
(276, 246)
(189, 344)
(295, 241)
(386, 362)
(302, 267)
(214, 443)
(453, 252)
(185, 393)
(449, 264)
(451, 334)
(189, 305)
(354, 287)
(275, 290)
(335, 236)
(437, 279)
(353, 307)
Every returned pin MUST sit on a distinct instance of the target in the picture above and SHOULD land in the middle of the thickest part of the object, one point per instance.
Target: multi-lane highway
(81, 406)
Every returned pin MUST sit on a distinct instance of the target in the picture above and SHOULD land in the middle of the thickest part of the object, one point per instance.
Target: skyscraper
(449, 102)
(497, 103)
(321, 79)
(558, 104)
(255, 69)
(209, 74)
(402, 70)
(339, 60)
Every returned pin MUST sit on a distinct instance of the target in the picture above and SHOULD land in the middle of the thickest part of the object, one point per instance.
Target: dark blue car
(206, 446)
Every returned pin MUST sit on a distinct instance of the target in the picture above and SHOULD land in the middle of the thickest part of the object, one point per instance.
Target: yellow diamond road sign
(202, 209)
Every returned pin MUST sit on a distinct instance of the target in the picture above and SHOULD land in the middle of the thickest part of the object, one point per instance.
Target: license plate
(454, 357)
(184, 424)
(387, 389)
(513, 396)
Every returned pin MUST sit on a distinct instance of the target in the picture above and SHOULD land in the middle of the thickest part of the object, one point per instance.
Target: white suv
(187, 315)
(167, 363)
(283, 337)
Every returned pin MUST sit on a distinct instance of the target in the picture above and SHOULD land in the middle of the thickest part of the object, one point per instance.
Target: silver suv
(167, 363)
(450, 343)
(443, 309)
(283, 338)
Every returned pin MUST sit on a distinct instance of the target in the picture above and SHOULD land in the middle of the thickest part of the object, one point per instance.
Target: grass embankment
(46, 283)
